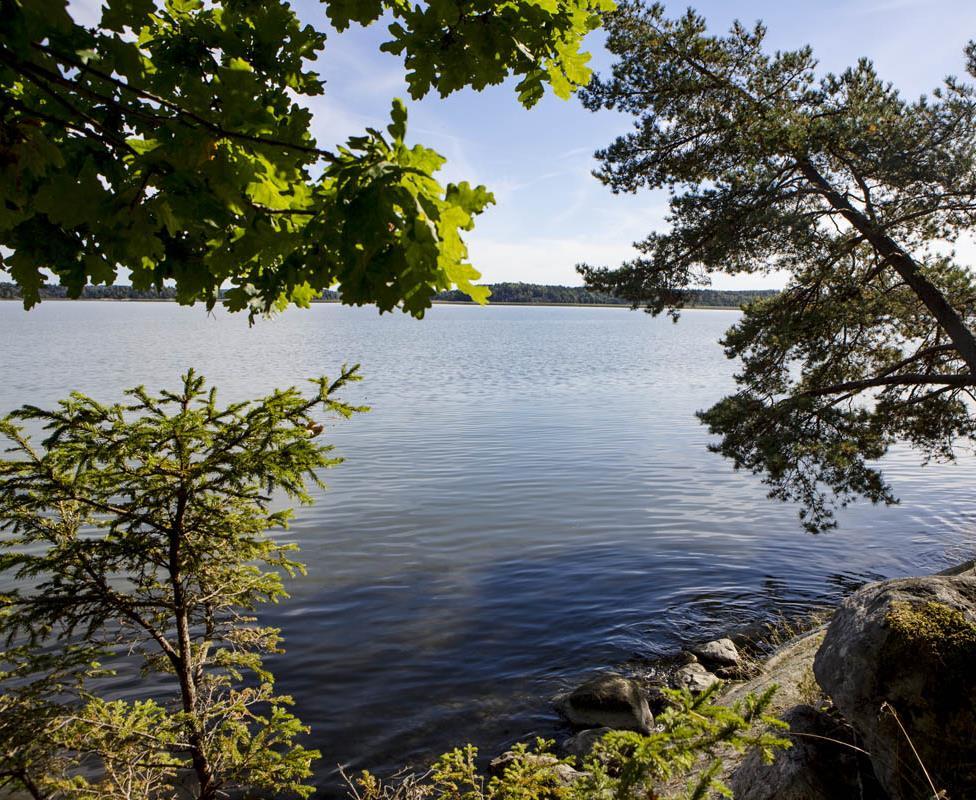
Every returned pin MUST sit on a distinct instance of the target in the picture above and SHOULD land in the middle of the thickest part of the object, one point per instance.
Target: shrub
(688, 746)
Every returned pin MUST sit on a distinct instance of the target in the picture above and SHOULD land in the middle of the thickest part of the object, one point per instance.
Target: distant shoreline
(499, 294)
(338, 302)
(624, 306)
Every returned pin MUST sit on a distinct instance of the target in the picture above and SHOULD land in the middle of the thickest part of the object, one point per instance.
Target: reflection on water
(529, 500)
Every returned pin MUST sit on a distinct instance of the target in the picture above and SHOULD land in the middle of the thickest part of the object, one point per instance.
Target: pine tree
(835, 179)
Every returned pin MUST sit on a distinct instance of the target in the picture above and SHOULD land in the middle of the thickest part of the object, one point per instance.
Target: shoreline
(623, 306)
(575, 305)
(787, 664)
(823, 680)
(766, 651)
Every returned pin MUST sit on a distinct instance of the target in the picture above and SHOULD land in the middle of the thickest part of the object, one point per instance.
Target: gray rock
(908, 645)
(564, 774)
(820, 765)
(718, 654)
(693, 677)
(582, 743)
(611, 701)
(790, 669)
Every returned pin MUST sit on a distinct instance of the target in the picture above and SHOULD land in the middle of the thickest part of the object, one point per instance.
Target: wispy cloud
(543, 260)
(551, 212)
(553, 261)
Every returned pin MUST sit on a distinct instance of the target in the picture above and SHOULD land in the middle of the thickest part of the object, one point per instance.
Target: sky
(551, 213)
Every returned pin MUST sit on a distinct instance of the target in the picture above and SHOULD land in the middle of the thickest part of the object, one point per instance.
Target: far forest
(527, 293)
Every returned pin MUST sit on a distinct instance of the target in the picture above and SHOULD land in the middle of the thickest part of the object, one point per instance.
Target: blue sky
(551, 213)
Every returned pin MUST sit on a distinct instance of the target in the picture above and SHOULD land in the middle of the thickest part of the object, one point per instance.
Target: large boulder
(611, 701)
(821, 764)
(899, 662)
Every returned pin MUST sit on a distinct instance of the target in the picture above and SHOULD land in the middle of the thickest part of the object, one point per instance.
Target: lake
(530, 500)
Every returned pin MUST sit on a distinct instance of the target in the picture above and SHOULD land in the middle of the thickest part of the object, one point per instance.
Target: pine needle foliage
(855, 192)
(140, 529)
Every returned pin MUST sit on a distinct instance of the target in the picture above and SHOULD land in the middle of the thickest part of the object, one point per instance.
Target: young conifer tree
(140, 529)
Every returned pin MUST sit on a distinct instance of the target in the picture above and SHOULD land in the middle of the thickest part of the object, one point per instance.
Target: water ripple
(529, 500)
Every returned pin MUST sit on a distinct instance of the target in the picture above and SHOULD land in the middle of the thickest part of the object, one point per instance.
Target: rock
(819, 766)
(790, 669)
(500, 763)
(720, 654)
(657, 700)
(729, 674)
(693, 677)
(582, 743)
(564, 774)
(612, 701)
(908, 645)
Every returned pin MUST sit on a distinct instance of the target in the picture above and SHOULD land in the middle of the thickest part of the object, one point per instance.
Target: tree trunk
(948, 318)
(185, 668)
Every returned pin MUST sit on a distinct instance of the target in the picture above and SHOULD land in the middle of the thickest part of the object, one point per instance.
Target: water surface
(530, 500)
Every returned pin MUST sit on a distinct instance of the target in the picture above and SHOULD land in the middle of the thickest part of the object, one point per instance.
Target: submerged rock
(821, 764)
(694, 677)
(611, 701)
(908, 648)
(719, 654)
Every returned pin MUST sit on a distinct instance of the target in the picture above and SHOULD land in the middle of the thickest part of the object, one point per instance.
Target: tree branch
(906, 266)
(181, 112)
(957, 380)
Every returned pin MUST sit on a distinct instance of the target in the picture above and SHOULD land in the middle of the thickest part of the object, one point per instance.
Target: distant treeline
(10, 291)
(527, 293)
(578, 295)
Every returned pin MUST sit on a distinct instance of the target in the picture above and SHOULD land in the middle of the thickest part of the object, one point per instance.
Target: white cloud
(554, 260)
(543, 260)
(86, 12)
(333, 122)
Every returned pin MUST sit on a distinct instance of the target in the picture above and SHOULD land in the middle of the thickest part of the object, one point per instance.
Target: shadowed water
(530, 500)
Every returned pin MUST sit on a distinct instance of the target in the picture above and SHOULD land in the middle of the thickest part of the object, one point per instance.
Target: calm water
(529, 500)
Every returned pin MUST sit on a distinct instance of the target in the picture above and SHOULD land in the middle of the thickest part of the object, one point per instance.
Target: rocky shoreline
(880, 697)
